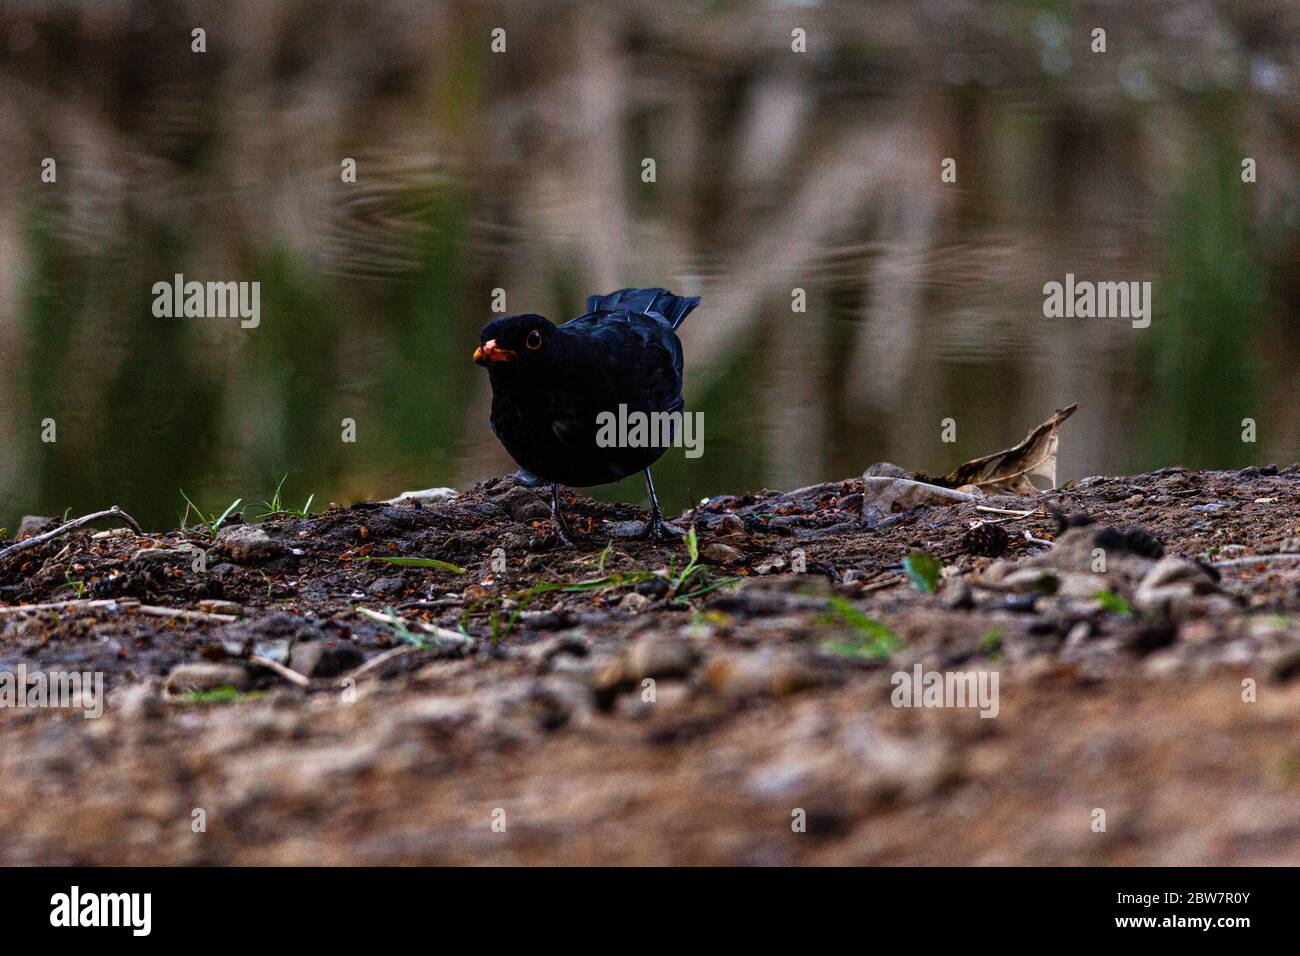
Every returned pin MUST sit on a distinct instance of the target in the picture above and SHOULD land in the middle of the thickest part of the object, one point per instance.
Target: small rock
(722, 553)
(731, 524)
(163, 556)
(32, 525)
(744, 676)
(655, 587)
(425, 498)
(1172, 581)
(198, 677)
(323, 658)
(248, 544)
(633, 602)
(607, 675)
(384, 586)
(658, 657)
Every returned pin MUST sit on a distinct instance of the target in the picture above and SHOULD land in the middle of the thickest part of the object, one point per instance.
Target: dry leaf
(883, 496)
(1008, 472)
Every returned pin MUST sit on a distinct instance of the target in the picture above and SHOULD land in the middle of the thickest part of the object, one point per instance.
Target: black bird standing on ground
(551, 382)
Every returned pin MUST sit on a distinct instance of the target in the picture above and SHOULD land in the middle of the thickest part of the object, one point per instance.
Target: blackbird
(551, 382)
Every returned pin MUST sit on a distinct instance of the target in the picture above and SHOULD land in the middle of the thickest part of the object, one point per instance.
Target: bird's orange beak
(489, 352)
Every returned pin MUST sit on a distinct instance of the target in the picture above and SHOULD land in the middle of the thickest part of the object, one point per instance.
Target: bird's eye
(534, 340)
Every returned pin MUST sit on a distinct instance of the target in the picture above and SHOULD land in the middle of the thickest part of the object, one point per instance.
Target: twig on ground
(292, 676)
(881, 585)
(379, 660)
(113, 512)
(1032, 540)
(115, 604)
(1005, 511)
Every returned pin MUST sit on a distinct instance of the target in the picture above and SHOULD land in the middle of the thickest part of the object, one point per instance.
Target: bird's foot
(564, 532)
(657, 528)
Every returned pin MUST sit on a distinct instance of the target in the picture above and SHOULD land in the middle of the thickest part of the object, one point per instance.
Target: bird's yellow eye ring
(534, 340)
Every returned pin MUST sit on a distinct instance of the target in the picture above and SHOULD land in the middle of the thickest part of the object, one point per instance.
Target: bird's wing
(630, 358)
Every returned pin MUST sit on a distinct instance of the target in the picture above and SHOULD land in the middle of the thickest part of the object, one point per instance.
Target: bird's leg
(557, 516)
(656, 526)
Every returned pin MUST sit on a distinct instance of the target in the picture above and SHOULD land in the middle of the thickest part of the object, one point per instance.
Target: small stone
(1170, 582)
(607, 674)
(658, 657)
(32, 525)
(633, 602)
(655, 587)
(323, 658)
(198, 677)
(722, 554)
(425, 498)
(385, 586)
(731, 524)
(163, 556)
(248, 544)
(744, 676)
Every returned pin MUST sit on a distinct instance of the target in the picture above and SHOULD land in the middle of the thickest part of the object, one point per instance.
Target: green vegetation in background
(423, 397)
(297, 356)
(50, 291)
(121, 415)
(1205, 376)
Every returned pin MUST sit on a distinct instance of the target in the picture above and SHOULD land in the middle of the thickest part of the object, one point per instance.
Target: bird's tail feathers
(660, 302)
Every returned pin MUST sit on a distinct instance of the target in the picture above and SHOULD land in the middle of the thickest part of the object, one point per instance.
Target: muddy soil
(284, 692)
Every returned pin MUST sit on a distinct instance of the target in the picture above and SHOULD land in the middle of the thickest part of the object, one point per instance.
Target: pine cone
(986, 541)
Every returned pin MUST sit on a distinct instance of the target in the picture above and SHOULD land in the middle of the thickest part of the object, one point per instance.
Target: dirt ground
(527, 703)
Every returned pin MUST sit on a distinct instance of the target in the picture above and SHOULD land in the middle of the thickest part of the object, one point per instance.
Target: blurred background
(521, 171)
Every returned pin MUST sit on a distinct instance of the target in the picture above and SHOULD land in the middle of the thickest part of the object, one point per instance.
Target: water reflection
(781, 178)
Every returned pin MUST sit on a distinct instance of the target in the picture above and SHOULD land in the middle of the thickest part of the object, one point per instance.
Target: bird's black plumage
(550, 383)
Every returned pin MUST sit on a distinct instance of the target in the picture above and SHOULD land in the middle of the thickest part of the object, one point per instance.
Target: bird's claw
(564, 532)
(656, 528)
